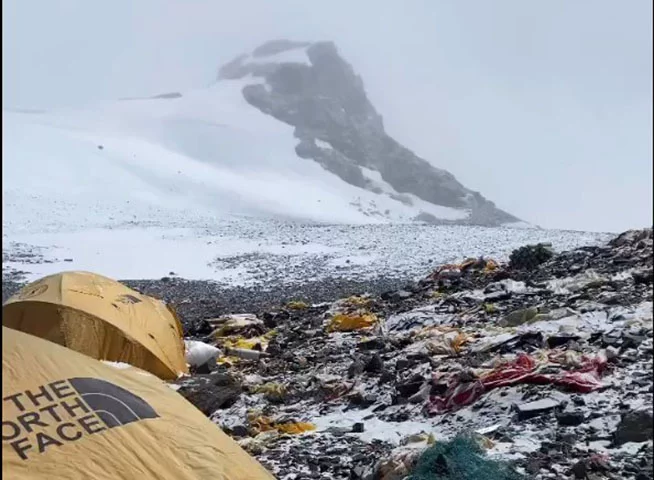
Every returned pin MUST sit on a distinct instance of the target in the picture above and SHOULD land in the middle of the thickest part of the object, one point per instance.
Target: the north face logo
(66, 411)
(113, 404)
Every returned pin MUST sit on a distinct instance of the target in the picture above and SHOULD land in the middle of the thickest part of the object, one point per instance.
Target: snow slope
(187, 159)
(206, 185)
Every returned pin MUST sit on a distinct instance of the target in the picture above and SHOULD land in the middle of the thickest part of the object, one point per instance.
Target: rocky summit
(537, 369)
(312, 88)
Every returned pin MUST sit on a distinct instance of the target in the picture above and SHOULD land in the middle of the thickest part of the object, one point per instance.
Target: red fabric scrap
(524, 369)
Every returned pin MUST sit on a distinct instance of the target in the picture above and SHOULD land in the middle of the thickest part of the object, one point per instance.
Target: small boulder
(211, 392)
(375, 364)
(634, 426)
(536, 408)
(358, 427)
(356, 368)
(570, 418)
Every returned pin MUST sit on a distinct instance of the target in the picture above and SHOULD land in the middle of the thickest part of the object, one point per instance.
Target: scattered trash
(344, 322)
(297, 305)
(519, 317)
(264, 424)
(245, 353)
(441, 340)
(545, 366)
(245, 324)
(524, 369)
(200, 353)
(274, 392)
(460, 459)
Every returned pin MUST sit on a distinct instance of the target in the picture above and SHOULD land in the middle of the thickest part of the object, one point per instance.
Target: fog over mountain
(546, 109)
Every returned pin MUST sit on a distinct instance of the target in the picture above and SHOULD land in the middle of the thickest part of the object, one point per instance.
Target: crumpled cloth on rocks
(524, 369)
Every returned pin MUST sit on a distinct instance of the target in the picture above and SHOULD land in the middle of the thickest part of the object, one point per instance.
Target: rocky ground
(545, 361)
(548, 367)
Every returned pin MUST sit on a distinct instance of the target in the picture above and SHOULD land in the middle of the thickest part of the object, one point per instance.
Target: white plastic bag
(199, 353)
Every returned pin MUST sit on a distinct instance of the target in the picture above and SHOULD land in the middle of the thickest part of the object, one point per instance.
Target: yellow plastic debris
(264, 424)
(490, 308)
(294, 428)
(272, 389)
(297, 305)
(227, 360)
(491, 265)
(255, 343)
(260, 423)
(358, 301)
(467, 263)
(343, 322)
(248, 343)
(458, 341)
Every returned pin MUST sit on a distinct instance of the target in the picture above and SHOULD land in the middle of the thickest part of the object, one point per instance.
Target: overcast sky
(544, 106)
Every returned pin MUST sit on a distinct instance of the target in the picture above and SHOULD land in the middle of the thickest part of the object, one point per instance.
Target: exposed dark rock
(358, 427)
(634, 426)
(324, 99)
(356, 368)
(211, 392)
(375, 364)
(571, 418)
(530, 256)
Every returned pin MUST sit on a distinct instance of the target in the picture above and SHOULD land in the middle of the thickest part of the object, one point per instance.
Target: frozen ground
(247, 252)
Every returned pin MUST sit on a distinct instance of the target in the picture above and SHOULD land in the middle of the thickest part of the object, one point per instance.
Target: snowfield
(208, 152)
(208, 187)
(245, 252)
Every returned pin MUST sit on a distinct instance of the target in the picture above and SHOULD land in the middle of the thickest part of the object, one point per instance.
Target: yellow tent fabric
(65, 415)
(101, 318)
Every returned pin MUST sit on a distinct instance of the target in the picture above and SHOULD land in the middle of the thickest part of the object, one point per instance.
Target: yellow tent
(65, 415)
(101, 318)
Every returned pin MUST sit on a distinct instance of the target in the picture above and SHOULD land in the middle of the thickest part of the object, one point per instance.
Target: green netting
(460, 459)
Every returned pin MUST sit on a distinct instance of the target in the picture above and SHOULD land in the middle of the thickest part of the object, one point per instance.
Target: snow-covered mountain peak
(286, 132)
(312, 88)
